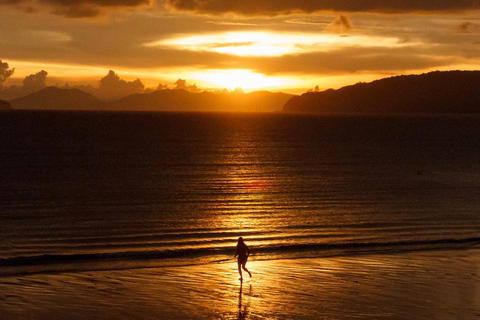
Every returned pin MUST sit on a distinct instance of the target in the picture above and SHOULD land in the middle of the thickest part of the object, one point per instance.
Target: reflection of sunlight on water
(247, 211)
(247, 185)
(244, 204)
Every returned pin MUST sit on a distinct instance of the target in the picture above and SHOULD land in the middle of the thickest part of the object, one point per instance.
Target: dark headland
(431, 93)
(4, 105)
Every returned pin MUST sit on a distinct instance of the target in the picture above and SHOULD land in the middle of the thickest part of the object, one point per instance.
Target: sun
(239, 78)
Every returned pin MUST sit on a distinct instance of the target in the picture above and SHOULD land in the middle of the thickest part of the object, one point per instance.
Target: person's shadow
(242, 307)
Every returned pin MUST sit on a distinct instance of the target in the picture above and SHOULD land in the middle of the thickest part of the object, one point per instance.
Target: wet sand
(419, 285)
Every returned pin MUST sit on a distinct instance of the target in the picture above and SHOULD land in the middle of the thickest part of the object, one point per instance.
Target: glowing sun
(240, 78)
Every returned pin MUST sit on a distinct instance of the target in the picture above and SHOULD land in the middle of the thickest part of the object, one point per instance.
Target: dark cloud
(77, 8)
(316, 89)
(35, 82)
(31, 84)
(5, 72)
(84, 11)
(340, 25)
(275, 7)
(350, 60)
(90, 8)
(182, 84)
(161, 87)
(100, 3)
(468, 27)
(112, 87)
(11, 2)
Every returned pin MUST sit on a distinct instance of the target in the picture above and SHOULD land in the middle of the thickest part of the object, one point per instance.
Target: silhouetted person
(242, 252)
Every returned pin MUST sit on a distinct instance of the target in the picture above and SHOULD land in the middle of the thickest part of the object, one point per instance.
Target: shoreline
(414, 285)
(57, 264)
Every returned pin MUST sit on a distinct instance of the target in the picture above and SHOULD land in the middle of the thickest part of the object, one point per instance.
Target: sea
(86, 191)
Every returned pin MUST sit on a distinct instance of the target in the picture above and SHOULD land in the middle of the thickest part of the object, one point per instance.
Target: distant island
(53, 98)
(5, 105)
(180, 100)
(435, 92)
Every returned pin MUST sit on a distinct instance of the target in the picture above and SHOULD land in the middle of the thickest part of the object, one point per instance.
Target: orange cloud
(271, 44)
(275, 7)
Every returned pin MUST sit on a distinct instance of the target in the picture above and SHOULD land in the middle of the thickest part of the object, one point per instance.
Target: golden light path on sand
(419, 285)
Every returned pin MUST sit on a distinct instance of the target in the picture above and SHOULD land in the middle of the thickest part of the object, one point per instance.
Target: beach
(415, 285)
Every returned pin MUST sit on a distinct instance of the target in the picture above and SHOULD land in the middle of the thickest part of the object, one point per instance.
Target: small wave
(373, 247)
(88, 257)
(279, 250)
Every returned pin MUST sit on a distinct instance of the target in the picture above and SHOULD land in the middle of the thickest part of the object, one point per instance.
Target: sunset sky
(289, 45)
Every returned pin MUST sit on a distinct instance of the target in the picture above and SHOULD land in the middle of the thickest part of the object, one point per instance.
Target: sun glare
(271, 44)
(245, 79)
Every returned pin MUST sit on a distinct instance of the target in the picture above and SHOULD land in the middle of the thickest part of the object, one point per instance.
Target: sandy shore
(420, 285)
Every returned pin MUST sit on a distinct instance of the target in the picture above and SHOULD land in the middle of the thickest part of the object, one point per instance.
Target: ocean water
(106, 190)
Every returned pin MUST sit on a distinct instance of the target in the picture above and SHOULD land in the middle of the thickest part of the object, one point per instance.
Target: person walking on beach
(242, 252)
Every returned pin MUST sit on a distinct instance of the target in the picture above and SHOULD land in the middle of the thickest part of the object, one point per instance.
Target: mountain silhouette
(181, 100)
(435, 92)
(53, 98)
(5, 105)
(164, 100)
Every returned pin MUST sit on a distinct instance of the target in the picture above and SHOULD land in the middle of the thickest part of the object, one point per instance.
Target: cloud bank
(31, 84)
(77, 8)
(275, 7)
(112, 87)
(93, 8)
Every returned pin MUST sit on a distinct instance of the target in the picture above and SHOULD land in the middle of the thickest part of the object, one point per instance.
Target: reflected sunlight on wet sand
(421, 285)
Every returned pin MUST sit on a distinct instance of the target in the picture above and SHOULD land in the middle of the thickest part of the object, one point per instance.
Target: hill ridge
(53, 98)
(5, 105)
(434, 92)
(163, 100)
